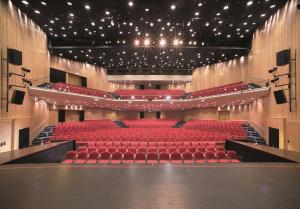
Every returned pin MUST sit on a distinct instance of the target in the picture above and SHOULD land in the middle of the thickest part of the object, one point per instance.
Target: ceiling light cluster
(172, 35)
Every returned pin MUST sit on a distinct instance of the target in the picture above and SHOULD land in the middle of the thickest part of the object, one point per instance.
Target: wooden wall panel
(281, 31)
(19, 32)
(96, 76)
(74, 79)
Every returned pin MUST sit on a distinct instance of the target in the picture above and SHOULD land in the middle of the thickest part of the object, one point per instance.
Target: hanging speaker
(280, 97)
(14, 57)
(17, 97)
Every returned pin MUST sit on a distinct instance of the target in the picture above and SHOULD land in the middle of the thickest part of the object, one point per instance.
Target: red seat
(93, 157)
(172, 149)
(222, 158)
(162, 149)
(140, 158)
(142, 149)
(176, 157)
(71, 155)
(201, 149)
(91, 149)
(101, 149)
(82, 149)
(232, 157)
(199, 157)
(181, 149)
(122, 150)
(132, 149)
(152, 158)
(187, 157)
(164, 157)
(111, 149)
(81, 157)
(211, 157)
(116, 158)
(128, 158)
(220, 148)
(210, 149)
(151, 149)
(192, 149)
(104, 157)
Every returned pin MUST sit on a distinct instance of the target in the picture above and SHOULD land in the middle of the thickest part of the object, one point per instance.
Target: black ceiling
(103, 32)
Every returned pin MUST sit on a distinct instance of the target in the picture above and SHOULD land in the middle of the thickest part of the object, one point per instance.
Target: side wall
(281, 31)
(19, 32)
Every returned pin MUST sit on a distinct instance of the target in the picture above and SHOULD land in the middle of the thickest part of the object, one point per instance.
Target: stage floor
(228, 186)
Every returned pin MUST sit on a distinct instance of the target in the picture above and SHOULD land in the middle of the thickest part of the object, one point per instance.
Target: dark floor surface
(238, 186)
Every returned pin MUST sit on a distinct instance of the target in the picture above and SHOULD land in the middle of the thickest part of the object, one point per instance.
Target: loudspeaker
(17, 97)
(280, 97)
(14, 57)
(283, 57)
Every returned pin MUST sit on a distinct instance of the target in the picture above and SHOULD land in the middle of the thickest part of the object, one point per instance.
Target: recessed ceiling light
(69, 3)
(43, 3)
(162, 42)
(37, 11)
(107, 12)
(87, 7)
(226, 7)
(272, 6)
(130, 3)
(173, 7)
(25, 2)
(249, 3)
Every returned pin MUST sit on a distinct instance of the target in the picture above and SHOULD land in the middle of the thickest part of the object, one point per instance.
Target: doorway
(23, 138)
(274, 137)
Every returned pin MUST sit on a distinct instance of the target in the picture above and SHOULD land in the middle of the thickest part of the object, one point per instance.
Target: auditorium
(150, 104)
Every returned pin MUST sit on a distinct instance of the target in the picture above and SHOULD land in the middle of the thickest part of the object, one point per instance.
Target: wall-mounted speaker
(17, 97)
(14, 57)
(280, 97)
(283, 57)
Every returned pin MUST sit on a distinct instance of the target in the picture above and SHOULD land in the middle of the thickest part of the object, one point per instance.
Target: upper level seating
(150, 94)
(149, 123)
(220, 90)
(79, 90)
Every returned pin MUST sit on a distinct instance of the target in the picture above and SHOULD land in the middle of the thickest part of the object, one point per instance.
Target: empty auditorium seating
(160, 153)
(79, 90)
(149, 94)
(233, 87)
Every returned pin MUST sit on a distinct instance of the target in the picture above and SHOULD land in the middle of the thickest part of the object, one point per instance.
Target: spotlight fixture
(273, 70)
(176, 42)
(136, 42)
(162, 42)
(275, 80)
(146, 42)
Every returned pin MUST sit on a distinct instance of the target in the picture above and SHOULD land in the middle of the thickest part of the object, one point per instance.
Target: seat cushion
(128, 161)
(188, 161)
(140, 161)
(116, 161)
(92, 161)
(152, 162)
(103, 161)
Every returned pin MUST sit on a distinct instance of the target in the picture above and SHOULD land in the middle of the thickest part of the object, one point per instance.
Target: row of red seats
(79, 90)
(220, 90)
(149, 123)
(150, 158)
(149, 94)
(158, 149)
(152, 144)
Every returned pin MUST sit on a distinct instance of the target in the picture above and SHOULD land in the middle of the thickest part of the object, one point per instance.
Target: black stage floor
(230, 186)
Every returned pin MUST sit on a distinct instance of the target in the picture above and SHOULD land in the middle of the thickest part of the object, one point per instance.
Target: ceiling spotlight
(130, 3)
(69, 3)
(176, 42)
(136, 42)
(43, 3)
(107, 12)
(146, 42)
(173, 7)
(249, 3)
(87, 7)
(226, 7)
(162, 42)
(37, 11)
(25, 2)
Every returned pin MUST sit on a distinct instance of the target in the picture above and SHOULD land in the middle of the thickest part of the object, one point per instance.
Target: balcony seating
(80, 90)
(233, 87)
(150, 94)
